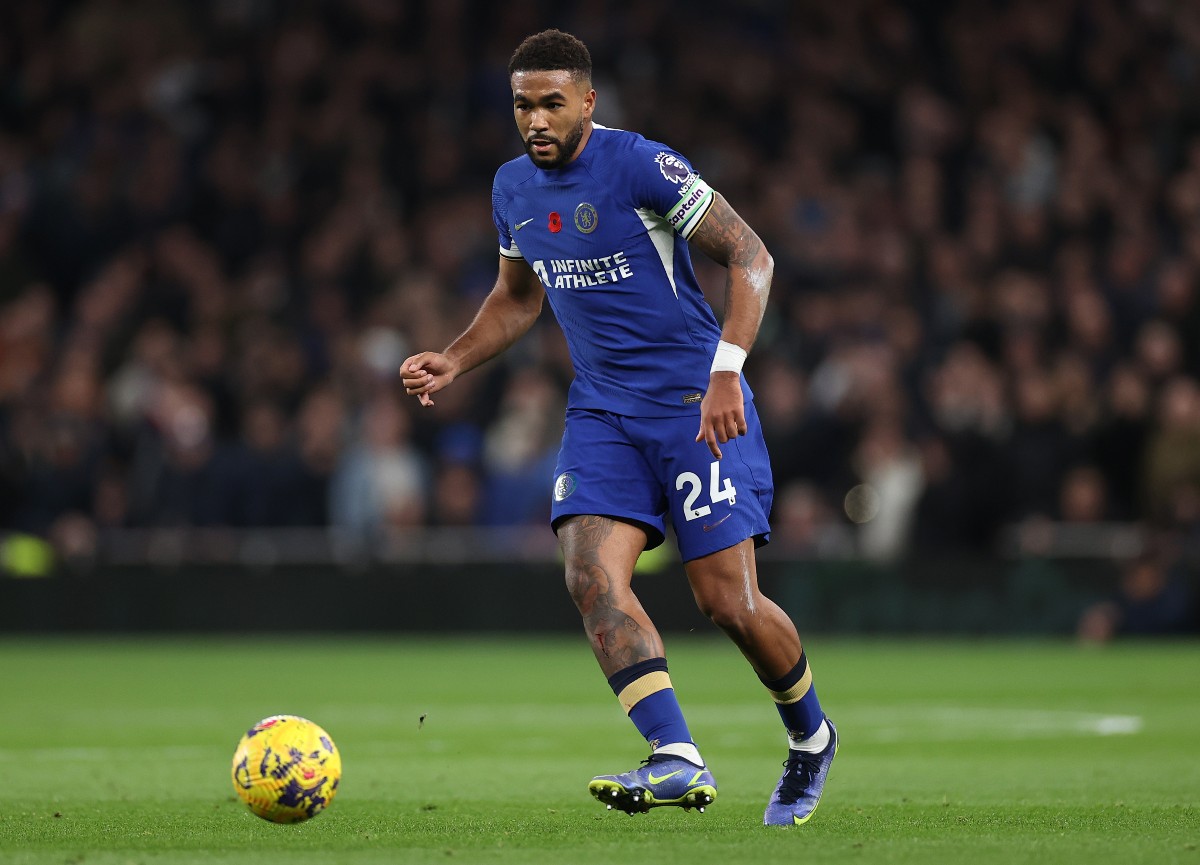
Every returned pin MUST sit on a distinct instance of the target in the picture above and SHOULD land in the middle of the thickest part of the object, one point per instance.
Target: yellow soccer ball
(286, 769)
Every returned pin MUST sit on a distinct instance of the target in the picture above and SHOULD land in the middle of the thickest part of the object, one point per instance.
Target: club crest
(564, 486)
(586, 218)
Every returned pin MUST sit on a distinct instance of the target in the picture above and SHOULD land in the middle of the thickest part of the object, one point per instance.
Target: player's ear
(589, 103)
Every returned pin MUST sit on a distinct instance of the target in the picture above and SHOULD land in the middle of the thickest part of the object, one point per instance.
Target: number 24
(716, 491)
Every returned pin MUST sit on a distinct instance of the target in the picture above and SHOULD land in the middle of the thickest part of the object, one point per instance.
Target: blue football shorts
(647, 471)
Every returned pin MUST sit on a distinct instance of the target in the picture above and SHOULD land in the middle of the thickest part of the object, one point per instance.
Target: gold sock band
(795, 693)
(640, 689)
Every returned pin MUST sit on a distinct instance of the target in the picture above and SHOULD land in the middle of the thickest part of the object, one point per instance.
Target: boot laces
(799, 770)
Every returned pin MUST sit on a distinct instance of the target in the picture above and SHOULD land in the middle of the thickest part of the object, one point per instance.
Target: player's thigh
(724, 581)
(714, 504)
(599, 553)
(601, 472)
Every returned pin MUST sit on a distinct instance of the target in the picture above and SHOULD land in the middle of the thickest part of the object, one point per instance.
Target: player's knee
(581, 584)
(729, 613)
(575, 583)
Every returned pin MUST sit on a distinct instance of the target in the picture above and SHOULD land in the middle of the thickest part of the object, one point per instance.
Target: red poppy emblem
(555, 223)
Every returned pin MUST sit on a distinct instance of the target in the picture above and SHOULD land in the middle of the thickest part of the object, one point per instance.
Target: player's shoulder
(639, 153)
(515, 172)
(622, 142)
(615, 140)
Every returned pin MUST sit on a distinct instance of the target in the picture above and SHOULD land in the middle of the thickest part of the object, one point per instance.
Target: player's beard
(566, 149)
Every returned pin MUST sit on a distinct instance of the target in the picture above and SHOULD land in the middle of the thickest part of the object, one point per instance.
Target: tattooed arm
(726, 238)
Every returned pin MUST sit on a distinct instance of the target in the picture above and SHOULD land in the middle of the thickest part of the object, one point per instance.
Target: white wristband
(729, 358)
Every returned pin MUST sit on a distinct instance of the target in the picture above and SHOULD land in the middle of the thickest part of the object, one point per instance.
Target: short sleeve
(671, 187)
(508, 246)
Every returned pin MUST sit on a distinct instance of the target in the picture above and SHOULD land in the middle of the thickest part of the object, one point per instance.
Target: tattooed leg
(600, 553)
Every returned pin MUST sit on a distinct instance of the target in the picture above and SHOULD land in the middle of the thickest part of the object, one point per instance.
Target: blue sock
(646, 693)
(796, 699)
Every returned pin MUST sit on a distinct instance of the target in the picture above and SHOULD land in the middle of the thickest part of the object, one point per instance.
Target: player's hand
(425, 374)
(722, 411)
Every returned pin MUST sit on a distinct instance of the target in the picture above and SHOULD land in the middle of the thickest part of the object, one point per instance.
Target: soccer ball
(286, 769)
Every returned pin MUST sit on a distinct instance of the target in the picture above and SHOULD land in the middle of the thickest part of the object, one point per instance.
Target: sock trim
(795, 693)
(619, 680)
(791, 687)
(636, 691)
(789, 678)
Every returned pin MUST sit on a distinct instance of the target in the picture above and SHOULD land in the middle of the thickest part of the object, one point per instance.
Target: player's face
(554, 113)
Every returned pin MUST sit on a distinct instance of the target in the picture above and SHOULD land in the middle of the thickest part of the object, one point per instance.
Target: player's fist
(425, 374)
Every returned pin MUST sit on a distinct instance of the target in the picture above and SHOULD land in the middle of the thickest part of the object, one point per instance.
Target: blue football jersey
(607, 235)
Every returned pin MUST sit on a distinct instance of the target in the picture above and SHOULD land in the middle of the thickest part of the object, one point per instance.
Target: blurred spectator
(318, 446)
(1084, 496)
(456, 496)
(521, 448)
(1038, 447)
(891, 468)
(379, 481)
(804, 525)
(1172, 479)
(1153, 599)
(270, 476)
(222, 225)
(1119, 439)
(181, 475)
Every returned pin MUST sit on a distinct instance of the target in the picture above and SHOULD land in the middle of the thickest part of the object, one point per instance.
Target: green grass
(118, 751)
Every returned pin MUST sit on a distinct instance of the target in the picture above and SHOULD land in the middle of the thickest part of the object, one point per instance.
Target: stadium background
(222, 226)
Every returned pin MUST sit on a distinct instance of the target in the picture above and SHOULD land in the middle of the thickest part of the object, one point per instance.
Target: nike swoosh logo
(660, 779)
(709, 528)
(521, 225)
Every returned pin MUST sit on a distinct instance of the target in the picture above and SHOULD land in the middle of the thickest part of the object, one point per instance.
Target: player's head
(551, 77)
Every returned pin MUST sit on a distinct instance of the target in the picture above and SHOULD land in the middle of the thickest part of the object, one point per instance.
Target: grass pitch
(118, 751)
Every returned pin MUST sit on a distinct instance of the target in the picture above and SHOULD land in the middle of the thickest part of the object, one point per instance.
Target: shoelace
(653, 758)
(659, 758)
(799, 771)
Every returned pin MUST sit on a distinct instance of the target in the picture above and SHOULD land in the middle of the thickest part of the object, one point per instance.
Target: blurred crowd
(224, 224)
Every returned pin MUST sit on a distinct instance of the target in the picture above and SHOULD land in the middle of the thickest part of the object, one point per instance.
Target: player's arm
(726, 238)
(506, 315)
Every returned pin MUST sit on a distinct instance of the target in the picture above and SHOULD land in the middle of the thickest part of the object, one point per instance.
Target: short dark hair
(552, 50)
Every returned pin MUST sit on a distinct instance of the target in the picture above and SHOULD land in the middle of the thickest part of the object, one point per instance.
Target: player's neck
(583, 142)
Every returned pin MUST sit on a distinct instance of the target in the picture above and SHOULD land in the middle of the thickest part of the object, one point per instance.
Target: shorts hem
(760, 539)
(654, 535)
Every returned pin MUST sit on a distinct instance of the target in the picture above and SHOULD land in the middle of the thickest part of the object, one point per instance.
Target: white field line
(878, 723)
(729, 724)
(957, 723)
